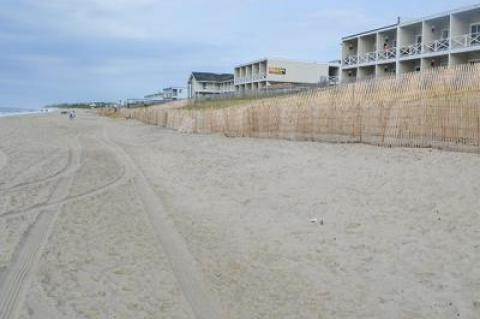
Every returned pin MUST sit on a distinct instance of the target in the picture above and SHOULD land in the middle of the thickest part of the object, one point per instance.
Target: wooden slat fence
(439, 108)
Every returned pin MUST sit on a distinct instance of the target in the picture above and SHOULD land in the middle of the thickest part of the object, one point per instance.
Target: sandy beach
(109, 218)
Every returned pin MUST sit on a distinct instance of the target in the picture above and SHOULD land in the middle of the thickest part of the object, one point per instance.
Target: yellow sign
(277, 71)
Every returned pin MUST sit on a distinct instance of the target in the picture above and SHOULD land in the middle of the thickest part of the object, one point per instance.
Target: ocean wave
(10, 111)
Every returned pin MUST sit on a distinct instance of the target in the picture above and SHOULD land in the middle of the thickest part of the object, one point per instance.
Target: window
(445, 34)
(475, 34)
(418, 46)
(475, 30)
(204, 85)
(418, 39)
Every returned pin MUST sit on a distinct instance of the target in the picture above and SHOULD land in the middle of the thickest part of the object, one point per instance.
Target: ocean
(10, 111)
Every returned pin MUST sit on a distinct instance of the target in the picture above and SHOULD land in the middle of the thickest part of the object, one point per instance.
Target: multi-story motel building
(203, 84)
(279, 73)
(444, 39)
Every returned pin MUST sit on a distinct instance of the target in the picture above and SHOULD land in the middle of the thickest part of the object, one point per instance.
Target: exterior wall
(386, 69)
(445, 40)
(175, 93)
(462, 21)
(200, 88)
(270, 72)
(296, 72)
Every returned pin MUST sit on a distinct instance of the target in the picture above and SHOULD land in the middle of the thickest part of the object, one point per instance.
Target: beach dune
(109, 218)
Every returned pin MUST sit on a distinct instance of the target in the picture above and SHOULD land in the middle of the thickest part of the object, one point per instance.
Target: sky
(54, 51)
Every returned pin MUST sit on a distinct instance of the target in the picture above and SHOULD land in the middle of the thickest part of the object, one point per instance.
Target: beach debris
(316, 220)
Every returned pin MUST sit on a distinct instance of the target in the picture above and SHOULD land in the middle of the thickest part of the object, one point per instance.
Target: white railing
(240, 80)
(411, 50)
(367, 58)
(387, 54)
(333, 80)
(250, 78)
(456, 42)
(465, 41)
(259, 76)
(350, 60)
(437, 46)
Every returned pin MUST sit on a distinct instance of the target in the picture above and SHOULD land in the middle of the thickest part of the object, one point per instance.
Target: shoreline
(39, 112)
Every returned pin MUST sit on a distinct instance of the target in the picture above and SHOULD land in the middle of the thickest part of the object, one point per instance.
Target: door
(444, 42)
(475, 34)
(418, 43)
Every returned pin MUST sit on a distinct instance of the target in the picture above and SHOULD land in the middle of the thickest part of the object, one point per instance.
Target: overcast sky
(82, 50)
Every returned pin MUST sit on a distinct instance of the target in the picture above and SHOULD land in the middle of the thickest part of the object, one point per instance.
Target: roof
(212, 77)
(416, 20)
(392, 26)
(174, 87)
(275, 59)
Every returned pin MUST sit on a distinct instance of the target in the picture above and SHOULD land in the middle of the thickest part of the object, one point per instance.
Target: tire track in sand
(3, 160)
(15, 279)
(185, 267)
(119, 180)
(64, 171)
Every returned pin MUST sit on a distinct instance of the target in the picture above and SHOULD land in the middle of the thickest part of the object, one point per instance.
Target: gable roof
(212, 77)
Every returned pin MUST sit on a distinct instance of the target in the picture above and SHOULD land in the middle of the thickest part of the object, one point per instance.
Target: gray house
(206, 83)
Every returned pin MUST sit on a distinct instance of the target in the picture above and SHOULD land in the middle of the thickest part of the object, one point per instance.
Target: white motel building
(280, 73)
(444, 39)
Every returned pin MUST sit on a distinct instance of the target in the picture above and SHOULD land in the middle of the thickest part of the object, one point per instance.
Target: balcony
(371, 57)
(436, 46)
(333, 80)
(411, 50)
(465, 41)
(259, 76)
(387, 54)
(350, 60)
(366, 58)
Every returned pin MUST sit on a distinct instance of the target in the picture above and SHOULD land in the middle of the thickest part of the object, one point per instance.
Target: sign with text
(277, 71)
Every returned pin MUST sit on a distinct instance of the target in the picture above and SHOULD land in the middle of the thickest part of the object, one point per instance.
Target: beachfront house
(201, 84)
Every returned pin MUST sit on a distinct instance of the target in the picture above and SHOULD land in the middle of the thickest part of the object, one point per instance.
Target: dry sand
(104, 218)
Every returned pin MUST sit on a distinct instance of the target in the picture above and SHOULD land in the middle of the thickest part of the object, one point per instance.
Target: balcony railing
(333, 80)
(367, 58)
(465, 41)
(250, 78)
(411, 50)
(456, 42)
(387, 54)
(350, 60)
(437, 46)
(370, 57)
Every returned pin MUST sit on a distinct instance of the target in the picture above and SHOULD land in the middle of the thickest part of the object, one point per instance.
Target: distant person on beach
(72, 115)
